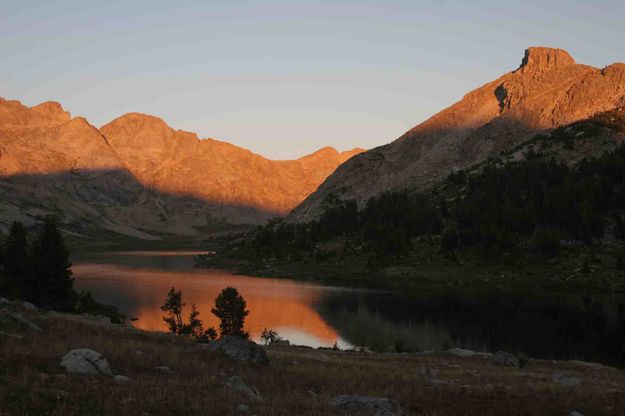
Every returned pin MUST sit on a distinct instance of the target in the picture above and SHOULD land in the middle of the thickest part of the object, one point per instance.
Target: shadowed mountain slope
(548, 90)
(139, 177)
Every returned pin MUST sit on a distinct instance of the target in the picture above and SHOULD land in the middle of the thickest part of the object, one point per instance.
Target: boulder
(119, 379)
(85, 361)
(460, 352)
(240, 349)
(29, 306)
(236, 383)
(506, 359)
(366, 405)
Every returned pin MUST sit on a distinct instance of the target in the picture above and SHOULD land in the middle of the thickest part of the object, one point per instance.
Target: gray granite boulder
(86, 361)
(240, 349)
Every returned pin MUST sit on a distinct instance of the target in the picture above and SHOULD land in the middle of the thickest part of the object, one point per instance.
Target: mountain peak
(541, 58)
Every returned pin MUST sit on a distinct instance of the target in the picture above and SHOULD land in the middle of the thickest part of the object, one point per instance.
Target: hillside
(546, 213)
(138, 177)
(548, 90)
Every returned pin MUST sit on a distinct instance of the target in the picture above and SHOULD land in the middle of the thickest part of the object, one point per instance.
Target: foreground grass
(299, 381)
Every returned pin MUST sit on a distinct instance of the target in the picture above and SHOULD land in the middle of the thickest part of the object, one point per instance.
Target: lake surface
(565, 326)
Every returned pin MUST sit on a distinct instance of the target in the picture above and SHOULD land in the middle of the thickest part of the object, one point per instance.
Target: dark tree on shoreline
(50, 282)
(16, 261)
(230, 309)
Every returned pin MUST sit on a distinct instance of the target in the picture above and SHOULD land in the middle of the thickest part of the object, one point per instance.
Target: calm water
(571, 326)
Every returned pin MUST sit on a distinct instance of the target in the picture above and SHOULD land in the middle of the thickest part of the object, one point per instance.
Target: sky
(284, 78)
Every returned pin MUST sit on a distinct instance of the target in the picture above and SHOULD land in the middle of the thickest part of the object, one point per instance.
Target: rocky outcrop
(139, 177)
(548, 90)
(240, 349)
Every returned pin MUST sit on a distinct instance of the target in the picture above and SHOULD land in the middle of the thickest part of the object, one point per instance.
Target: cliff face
(178, 162)
(549, 89)
(137, 176)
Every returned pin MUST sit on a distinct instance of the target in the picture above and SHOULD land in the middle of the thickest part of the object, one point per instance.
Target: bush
(269, 336)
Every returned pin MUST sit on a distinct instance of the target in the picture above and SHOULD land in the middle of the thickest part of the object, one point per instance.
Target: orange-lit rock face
(548, 90)
(282, 305)
(177, 161)
(139, 177)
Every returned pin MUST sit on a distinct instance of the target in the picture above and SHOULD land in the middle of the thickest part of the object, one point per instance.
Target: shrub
(269, 336)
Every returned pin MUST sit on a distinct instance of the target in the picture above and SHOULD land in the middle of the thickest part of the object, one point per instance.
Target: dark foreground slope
(298, 381)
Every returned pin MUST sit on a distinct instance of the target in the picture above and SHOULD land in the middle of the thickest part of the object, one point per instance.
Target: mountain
(549, 89)
(137, 176)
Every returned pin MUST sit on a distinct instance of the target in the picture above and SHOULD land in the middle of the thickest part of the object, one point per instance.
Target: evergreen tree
(230, 309)
(16, 262)
(173, 306)
(50, 278)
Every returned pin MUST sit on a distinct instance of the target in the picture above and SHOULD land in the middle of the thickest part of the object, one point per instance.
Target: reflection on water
(283, 305)
(572, 326)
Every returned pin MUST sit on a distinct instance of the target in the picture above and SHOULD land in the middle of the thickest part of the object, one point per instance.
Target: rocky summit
(548, 90)
(138, 177)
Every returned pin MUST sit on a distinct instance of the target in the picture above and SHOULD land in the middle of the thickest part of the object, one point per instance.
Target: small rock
(43, 377)
(4, 301)
(437, 382)
(119, 379)
(565, 380)
(365, 404)
(575, 413)
(459, 352)
(236, 383)
(506, 359)
(240, 349)
(29, 306)
(162, 369)
(85, 361)
(243, 408)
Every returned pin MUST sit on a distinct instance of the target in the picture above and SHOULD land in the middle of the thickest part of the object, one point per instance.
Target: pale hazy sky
(284, 78)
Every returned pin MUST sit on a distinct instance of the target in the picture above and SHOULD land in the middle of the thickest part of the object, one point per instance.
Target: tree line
(36, 267)
(533, 203)
(230, 308)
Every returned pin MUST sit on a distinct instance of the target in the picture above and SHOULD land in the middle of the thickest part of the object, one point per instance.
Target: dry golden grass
(300, 381)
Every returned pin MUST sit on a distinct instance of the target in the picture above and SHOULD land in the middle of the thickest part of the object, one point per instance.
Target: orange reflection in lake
(283, 305)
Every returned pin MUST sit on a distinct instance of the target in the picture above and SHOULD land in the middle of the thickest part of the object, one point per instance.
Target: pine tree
(50, 277)
(16, 261)
(230, 308)
(173, 306)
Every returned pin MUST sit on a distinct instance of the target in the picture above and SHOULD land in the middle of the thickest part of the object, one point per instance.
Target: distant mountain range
(548, 90)
(138, 177)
